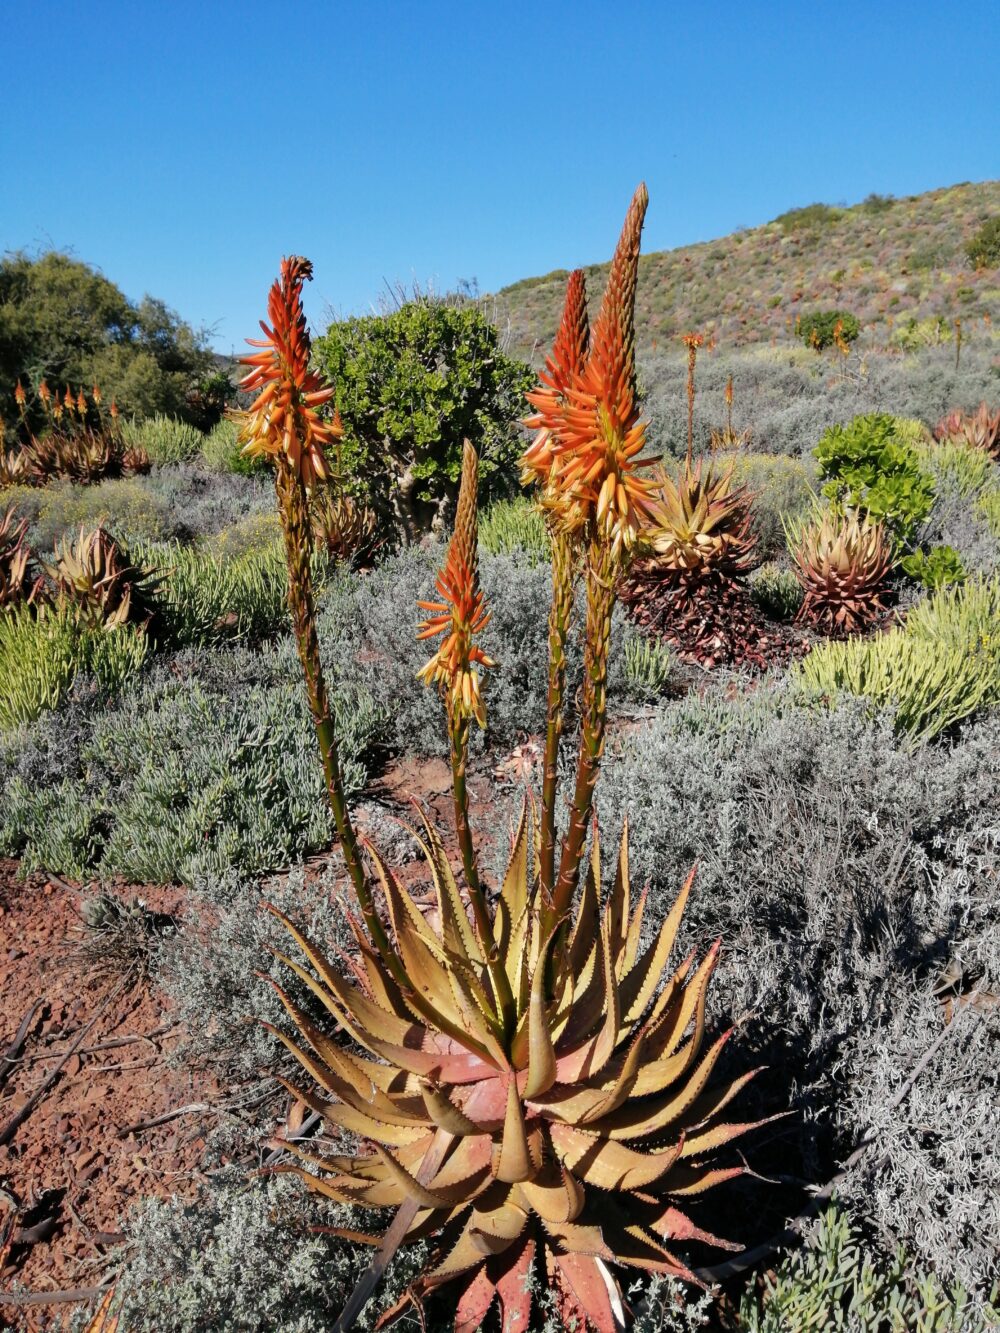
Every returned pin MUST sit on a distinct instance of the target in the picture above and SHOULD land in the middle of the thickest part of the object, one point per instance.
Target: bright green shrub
(410, 387)
(222, 452)
(834, 1282)
(941, 667)
(776, 592)
(958, 469)
(908, 430)
(938, 568)
(812, 215)
(165, 439)
(819, 329)
(867, 467)
(205, 598)
(782, 490)
(917, 333)
(38, 660)
(647, 664)
(984, 248)
(987, 507)
(514, 525)
(41, 657)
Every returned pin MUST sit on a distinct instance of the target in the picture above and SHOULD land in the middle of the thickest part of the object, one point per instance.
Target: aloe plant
(533, 1084)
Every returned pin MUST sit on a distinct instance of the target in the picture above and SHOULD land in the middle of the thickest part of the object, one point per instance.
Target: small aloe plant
(528, 1084)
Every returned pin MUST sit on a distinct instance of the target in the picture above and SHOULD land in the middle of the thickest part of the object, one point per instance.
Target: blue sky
(183, 147)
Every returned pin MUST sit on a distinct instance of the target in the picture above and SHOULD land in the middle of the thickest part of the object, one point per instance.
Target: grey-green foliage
(367, 628)
(782, 490)
(242, 1258)
(210, 764)
(126, 506)
(836, 1282)
(776, 591)
(165, 439)
(843, 872)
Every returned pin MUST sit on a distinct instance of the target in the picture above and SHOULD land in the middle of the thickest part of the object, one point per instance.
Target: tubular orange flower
(593, 425)
(461, 613)
(68, 400)
(283, 418)
(113, 409)
(95, 393)
(20, 397)
(44, 393)
(565, 363)
(81, 404)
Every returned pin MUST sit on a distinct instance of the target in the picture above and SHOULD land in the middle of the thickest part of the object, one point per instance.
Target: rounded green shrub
(820, 328)
(984, 248)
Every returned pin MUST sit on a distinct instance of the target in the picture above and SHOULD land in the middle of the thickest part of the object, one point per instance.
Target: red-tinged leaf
(474, 1304)
(584, 1293)
(512, 1288)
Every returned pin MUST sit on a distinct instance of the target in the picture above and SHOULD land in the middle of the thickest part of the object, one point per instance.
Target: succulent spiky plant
(342, 527)
(14, 468)
(979, 429)
(842, 562)
(690, 588)
(19, 581)
(527, 1084)
(93, 573)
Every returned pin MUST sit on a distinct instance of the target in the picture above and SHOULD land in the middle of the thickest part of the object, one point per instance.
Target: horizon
(195, 194)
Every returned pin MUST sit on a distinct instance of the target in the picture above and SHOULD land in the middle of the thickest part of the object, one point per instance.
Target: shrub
(245, 1256)
(938, 568)
(221, 451)
(836, 1281)
(841, 913)
(988, 508)
(258, 533)
(782, 491)
(940, 668)
(867, 467)
(410, 387)
(200, 503)
(647, 664)
(984, 248)
(918, 333)
(776, 592)
(510, 526)
(127, 507)
(165, 439)
(812, 215)
(960, 470)
(822, 328)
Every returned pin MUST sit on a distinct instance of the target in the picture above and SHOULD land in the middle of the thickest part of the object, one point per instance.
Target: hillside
(888, 261)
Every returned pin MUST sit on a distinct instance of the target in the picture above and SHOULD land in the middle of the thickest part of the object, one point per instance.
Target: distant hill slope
(887, 261)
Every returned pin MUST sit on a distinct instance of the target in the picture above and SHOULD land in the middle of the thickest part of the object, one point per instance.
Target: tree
(63, 321)
(410, 386)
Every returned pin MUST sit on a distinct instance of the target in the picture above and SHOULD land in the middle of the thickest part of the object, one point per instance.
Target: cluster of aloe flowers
(527, 1083)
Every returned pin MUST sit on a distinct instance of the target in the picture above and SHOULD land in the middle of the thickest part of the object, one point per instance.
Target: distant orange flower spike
(95, 393)
(594, 431)
(461, 614)
(283, 419)
(44, 392)
(113, 409)
(81, 403)
(68, 400)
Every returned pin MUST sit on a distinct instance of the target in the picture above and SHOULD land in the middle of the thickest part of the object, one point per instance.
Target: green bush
(782, 491)
(959, 469)
(987, 507)
(776, 592)
(918, 333)
(866, 466)
(222, 452)
(940, 668)
(410, 387)
(835, 1282)
(40, 657)
(125, 506)
(819, 328)
(165, 439)
(938, 568)
(647, 664)
(812, 215)
(984, 248)
(514, 525)
(255, 533)
(206, 598)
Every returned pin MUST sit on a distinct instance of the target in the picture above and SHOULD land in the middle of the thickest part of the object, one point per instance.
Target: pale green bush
(165, 439)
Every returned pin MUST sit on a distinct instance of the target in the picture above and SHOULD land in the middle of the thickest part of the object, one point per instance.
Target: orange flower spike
(113, 410)
(95, 393)
(562, 366)
(283, 418)
(461, 614)
(81, 404)
(599, 434)
(20, 397)
(45, 394)
(68, 400)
